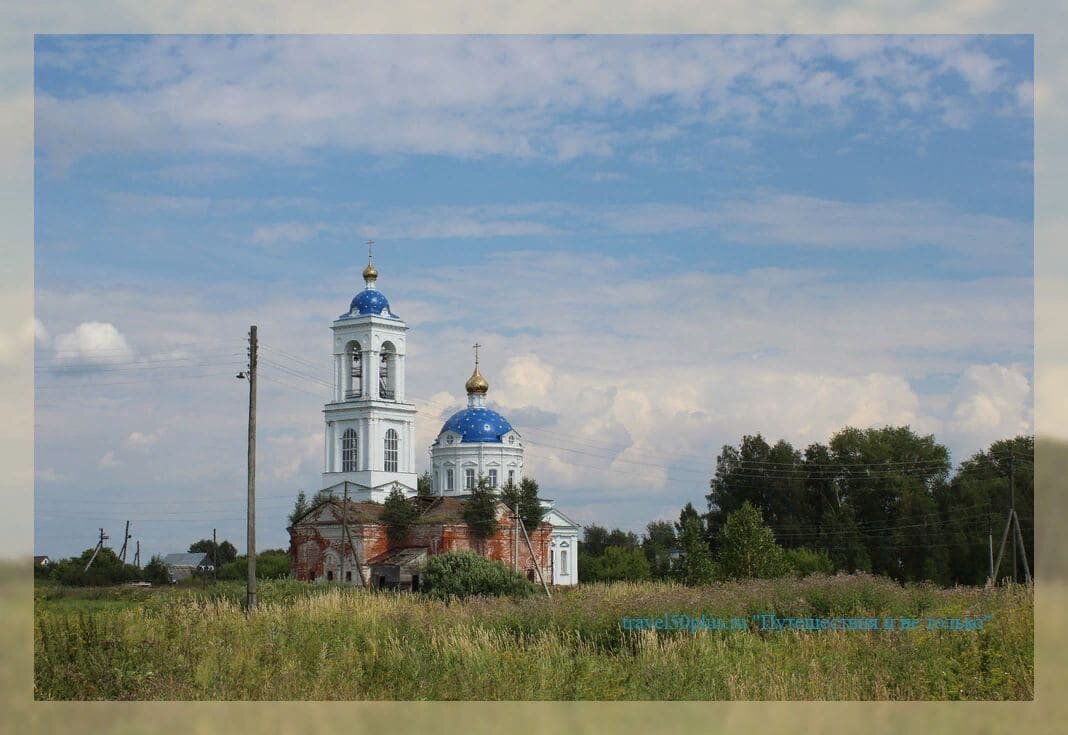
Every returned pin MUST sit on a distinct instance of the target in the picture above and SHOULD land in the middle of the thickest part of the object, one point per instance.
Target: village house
(185, 565)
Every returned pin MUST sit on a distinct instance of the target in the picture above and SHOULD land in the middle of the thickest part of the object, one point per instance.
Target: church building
(369, 451)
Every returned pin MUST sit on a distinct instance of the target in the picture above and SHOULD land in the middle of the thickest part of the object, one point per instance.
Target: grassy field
(320, 643)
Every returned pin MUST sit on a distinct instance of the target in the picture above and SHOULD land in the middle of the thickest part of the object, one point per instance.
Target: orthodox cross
(476, 345)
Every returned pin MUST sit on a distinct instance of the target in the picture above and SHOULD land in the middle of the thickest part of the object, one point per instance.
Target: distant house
(183, 566)
(41, 561)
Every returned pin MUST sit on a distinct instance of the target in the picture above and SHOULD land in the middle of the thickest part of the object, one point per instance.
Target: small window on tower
(469, 478)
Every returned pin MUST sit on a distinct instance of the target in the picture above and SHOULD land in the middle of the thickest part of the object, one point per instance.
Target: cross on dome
(476, 385)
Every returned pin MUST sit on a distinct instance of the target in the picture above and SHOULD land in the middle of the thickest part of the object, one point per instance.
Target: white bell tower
(370, 428)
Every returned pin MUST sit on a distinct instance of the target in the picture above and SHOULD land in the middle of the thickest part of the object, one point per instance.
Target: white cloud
(546, 97)
(108, 461)
(92, 344)
(991, 402)
(141, 441)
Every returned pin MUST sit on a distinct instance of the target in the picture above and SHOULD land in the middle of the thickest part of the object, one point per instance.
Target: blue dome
(477, 425)
(369, 301)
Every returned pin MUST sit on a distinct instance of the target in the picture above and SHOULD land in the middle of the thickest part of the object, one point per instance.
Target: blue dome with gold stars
(477, 424)
(369, 301)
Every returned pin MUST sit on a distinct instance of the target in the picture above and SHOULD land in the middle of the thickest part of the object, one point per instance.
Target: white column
(398, 380)
(326, 447)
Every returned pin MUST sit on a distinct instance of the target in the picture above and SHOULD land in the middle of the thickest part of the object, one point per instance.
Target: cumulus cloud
(991, 402)
(141, 441)
(92, 344)
(108, 461)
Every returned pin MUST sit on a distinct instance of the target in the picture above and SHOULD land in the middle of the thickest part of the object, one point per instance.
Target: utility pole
(344, 529)
(991, 539)
(1012, 524)
(214, 557)
(99, 545)
(126, 537)
(515, 538)
(534, 559)
(250, 599)
(1012, 506)
(137, 555)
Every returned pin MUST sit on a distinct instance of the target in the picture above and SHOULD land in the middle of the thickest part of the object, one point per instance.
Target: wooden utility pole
(99, 545)
(125, 538)
(250, 601)
(991, 540)
(137, 555)
(1012, 508)
(214, 557)
(344, 529)
(534, 558)
(515, 538)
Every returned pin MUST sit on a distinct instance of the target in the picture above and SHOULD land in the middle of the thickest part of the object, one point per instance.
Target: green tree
(424, 485)
(398, 513)
(156, 571)
(525, 495)
(299, 508)
(747, 547)
(594, 540)
(480, 510)
(695, 565)
(658, 543)
(975, 503)
(615, 565)
(227, 552)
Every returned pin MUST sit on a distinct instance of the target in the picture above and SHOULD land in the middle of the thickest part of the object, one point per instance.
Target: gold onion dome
(476, 383)
(370, 273)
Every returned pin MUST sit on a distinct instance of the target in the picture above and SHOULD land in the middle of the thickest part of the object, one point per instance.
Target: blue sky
(664, 243)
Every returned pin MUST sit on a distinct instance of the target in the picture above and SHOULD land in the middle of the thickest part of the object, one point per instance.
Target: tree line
(880, 500)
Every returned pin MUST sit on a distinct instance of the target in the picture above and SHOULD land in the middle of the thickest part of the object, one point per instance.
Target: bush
(615, 565)
(270, 564)
(804, 561)
(464, 573)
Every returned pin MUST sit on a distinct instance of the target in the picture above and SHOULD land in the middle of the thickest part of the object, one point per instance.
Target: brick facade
(316, 540)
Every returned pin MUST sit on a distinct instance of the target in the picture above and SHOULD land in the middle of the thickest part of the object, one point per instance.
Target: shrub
(804, 561)
(464, 573)
(270, 564)
(480, 510)
(615, 565)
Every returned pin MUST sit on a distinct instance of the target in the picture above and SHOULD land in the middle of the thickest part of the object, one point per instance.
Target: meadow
(322, 643)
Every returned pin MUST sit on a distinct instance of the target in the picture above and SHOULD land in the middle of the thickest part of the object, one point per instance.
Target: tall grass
(307, 642)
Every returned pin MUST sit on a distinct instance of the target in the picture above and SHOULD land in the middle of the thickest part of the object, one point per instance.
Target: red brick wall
(307, 547)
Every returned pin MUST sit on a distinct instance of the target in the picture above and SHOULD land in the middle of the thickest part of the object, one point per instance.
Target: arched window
(563, 562)
(355, 389)
(391, 451)
(349, 451)
(387, 368)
